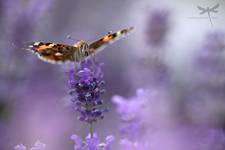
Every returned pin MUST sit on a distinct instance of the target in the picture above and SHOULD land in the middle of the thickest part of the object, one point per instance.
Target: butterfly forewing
(53, 53)
(110, 38)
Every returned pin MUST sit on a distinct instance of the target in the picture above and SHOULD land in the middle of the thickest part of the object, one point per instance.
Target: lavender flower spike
(20, 147)
(37, 146)
(158, 25)
(86, 88)
(91, 143)
(131, 113)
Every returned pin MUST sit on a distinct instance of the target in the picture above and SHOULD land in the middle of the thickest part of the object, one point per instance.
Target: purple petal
(92, 142)
(20, 147)
(38, 146)
(77, 140)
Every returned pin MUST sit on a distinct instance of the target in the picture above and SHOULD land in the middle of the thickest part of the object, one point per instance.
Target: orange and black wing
(53, 53)
(108, 39)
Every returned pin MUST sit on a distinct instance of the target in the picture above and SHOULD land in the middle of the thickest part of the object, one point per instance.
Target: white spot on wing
(52, 44)
(36, 43)
(58, 54)
(52, 61)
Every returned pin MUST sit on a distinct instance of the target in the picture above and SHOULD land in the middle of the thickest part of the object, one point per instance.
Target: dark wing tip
(31, 46)
(131, 28)
(127, 30)
(28, 46)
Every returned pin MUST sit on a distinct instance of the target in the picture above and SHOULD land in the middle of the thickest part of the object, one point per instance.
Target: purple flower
(23, 17)
(152, 66)
(157, 27)
(37, 146)
(206, 103)
(91, 143)
(106, 144)
(20, 147)
(131, 145)
(131, 114)
(86, 88)
(209, 61)
(151, 71)
(18, 25)
(151, 124)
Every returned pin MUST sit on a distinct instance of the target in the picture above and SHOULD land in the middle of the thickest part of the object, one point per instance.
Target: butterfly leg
(75, 66)
(93, 59)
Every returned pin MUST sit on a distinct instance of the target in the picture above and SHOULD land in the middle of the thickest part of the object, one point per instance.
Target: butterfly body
(60, 53)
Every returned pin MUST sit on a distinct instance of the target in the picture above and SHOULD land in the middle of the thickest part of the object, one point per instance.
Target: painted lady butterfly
(60, 53)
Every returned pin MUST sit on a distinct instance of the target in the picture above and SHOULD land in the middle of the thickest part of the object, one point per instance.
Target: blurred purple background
(174, 54)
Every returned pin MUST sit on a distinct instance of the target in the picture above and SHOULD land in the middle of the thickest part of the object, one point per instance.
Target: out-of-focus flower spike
(131, 111)
(38, 146)
(20, 147)
(158, 25)
(108, 140)
(209, 61)
(92, 143)
(78, 142)
(98, 72)
(38, 8)
(23, 17)
(120, 102)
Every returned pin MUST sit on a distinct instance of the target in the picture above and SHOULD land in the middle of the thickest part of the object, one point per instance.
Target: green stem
(91, 130)
(75, 66)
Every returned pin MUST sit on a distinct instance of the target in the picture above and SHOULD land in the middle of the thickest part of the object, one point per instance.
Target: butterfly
(61, 53)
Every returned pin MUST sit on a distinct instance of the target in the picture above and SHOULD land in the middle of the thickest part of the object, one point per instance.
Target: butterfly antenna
(71, 38)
